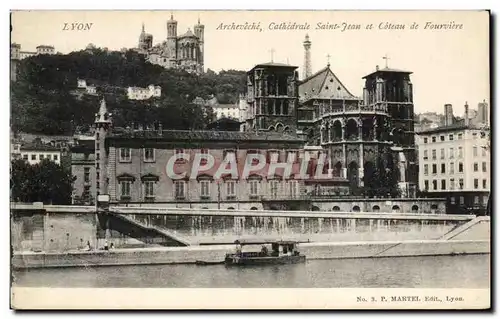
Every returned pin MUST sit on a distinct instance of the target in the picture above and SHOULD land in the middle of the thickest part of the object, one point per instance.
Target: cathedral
(177, 51)
(361, 136)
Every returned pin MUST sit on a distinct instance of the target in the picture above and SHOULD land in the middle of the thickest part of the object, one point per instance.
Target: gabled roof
(189, 33)
(324, 84)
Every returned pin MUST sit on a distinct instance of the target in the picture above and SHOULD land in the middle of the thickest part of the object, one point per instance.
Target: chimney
(448, 114)
(466, 114)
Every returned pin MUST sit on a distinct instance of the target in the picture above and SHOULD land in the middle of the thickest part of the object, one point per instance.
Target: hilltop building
(185, 51)
(138, 93)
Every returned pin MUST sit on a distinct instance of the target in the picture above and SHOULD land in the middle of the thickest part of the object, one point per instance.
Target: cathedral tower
(307, 58)
(199, 31)
(272, 98)
(171, 28)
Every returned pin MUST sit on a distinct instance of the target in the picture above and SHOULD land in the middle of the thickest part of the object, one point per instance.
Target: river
(465, 271)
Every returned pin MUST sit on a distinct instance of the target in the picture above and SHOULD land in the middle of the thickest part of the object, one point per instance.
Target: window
(229, 155)
(426, 155)
(205, 189)
(55, 157)
(485, 199)
(426, 185)
(460, 167)
(452, 155)
(443, 184)
(231, 189)
(149, 190)
(178, 153)
(433, 139)
(97, 156)
(443, 168)
(49, 157)
(452, 200)
(434, 169)
(25, 157)
(450, 137)
(474, 151)
(41, 156)
(434, 185)
(86, 174)
(180, 189)
(33, 157)
(484, 167)
(452, 168)
(425, 140)
(294, 188)
(273, 156)
(125, 155)
(462, 201)
(476, 167)
(433, 154)
(274, 188)
(441, 138)
(461, 183)
(149, 155)
(125, 189)
(474, 135)
(460, 152)
(476, 200)
(426, 169)
(476, 183)
(452, 183)
(483, 151)
(97, 175)
(442, 153)
(292, 157)
(484, 184)
(254, 188)
(460, 136)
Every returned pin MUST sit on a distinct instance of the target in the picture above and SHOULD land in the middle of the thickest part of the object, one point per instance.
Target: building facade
(138, 93)
(83, 169)
(231, 111)
(35, 153)
(45, 49)
(454, 163)
(15, 56)
(184, 51)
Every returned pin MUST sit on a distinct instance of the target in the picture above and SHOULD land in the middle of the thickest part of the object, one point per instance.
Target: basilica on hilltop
(183, 51)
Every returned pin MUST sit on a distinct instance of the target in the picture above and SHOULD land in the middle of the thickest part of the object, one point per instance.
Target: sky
(448, 65)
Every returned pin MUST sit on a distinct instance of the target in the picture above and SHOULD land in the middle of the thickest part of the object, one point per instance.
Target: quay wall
(60, 229)
(189, 255)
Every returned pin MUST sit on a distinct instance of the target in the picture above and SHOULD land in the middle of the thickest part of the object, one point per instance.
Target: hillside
(42, 100)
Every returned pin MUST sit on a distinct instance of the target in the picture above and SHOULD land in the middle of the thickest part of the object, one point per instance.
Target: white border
(255, 4)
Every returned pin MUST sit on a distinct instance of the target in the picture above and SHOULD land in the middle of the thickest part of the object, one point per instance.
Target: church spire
(307, 57)
(102, 116)
(143, 30)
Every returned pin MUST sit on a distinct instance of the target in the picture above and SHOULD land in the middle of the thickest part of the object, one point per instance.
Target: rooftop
(387, 70)
(450, 128)
(185, 135)
(39, 147)
(273, 64)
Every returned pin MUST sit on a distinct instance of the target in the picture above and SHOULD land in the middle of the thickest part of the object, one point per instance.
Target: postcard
(250, 160)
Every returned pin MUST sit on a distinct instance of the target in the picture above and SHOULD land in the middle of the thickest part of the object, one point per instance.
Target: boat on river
(282, 252)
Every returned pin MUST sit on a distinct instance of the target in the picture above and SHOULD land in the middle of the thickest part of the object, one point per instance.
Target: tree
(45, 182)
(45, 99)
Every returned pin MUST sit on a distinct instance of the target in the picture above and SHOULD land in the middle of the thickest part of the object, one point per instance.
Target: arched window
(315, 208)
(356, 209)
(395, 209)
(336, 209)
(376, 208)
(254, 208)
(414, 209)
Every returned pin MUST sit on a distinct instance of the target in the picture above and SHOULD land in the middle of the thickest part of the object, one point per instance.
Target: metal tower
(307, 58)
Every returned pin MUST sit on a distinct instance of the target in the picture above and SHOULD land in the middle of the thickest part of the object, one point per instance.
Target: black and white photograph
(343, 151)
